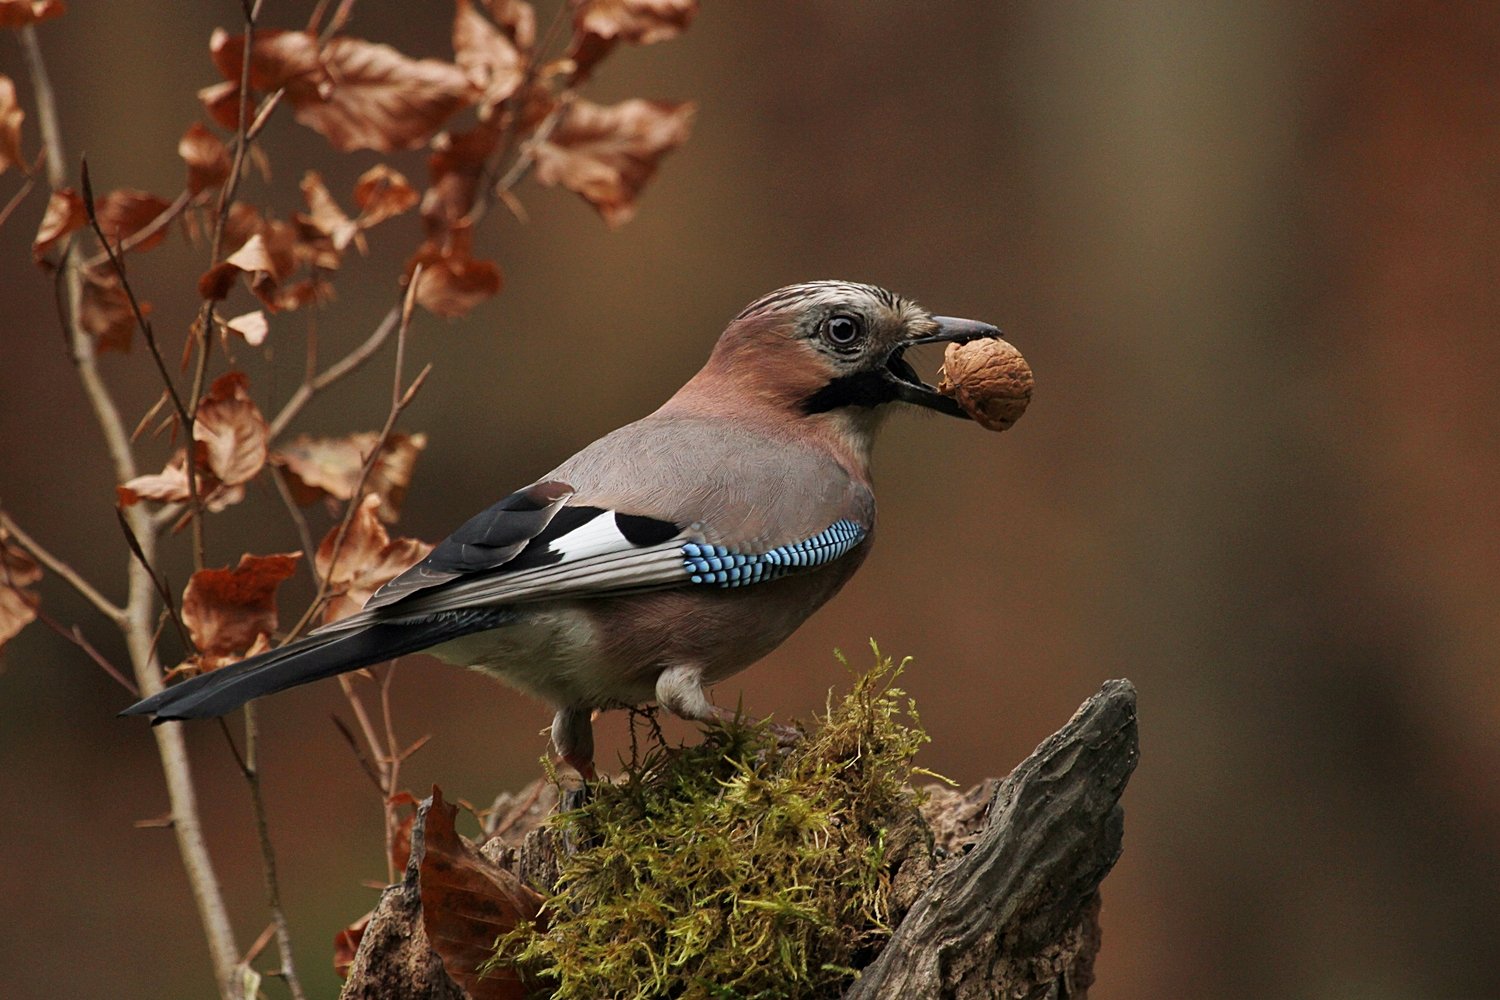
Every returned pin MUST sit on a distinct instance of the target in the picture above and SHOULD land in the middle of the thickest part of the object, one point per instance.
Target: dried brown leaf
(382, 193)
(222, 102)
(454, 168)
(65, 213)
(467, 903)
(231, 431)
(11, 117)
(206, 157)
(18, 572)
(227, 611)
(356, 94)
(19, 13)
(367, 560)
(330, 467)
(125, 212)
(452, 280)
(518, 18)
(266, 259)
(215, 283)
(599, 24)
(323, 214)
(170, 486)
(608, 153)
(346, 945)
(489, 57)
(105, 313)
(252, 326)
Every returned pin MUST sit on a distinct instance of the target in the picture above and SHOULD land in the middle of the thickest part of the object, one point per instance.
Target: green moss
(734, 869)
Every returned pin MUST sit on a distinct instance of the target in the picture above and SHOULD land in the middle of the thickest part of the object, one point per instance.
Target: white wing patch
(592, 558)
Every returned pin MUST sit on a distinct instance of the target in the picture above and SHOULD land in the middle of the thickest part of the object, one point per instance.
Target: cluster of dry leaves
(504, 107)
(523, 114)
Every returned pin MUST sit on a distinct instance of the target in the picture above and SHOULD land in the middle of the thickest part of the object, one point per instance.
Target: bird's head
(831, 351)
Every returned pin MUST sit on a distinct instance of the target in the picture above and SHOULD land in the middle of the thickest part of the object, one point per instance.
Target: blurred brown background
(1251, 253)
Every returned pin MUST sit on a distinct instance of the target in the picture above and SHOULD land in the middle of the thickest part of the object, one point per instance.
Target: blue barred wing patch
(721, 566)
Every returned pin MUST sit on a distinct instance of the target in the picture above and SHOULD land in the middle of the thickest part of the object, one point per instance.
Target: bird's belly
(550, 652)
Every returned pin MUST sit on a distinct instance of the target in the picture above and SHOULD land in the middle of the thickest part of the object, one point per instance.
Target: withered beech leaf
(170, 485)
(11, 117)
(222, 102)
(19, 13)
(252, 326)
(382, 193)
(452, 280)
(263, 266)
(330, 467)
(518, 18)
(488, 56)
(206, 157)
(346, 945)
(125, 212)
(367, 560)
(453, 171)
(356, 94)
(227, 610)
(18, 572)
(608, 153)
(323, 214)
(599, 24)
(215, 283)
(231, 430)
(65, 213)
(467, 903)
(104, 311)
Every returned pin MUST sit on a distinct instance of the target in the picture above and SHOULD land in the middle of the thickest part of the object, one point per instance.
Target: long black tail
(308, 659)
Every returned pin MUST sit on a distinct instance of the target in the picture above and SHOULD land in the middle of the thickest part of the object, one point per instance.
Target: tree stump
(999, 885)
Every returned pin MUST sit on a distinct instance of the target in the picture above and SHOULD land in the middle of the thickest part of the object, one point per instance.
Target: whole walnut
(989, 379)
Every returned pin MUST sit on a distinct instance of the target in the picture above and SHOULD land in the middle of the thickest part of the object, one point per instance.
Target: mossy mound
(736, 868)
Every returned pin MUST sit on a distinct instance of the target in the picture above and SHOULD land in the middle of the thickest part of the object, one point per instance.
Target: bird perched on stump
(666, 555)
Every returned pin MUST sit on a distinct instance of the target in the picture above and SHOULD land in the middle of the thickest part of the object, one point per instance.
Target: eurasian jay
(665, 556)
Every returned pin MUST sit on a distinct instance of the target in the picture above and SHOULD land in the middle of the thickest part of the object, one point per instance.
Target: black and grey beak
(909, 387)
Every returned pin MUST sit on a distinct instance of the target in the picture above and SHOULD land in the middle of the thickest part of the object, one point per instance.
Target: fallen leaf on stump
(467, 904)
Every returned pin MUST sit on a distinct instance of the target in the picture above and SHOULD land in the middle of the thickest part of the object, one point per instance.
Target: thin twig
(399, 402)
(346, 365)
(162, 220)
(304, 535)
(157, 580)
(117, 261)
(69, 575)
(17, 198)
(243, 136)
(491, 188)
(288, 969)
(365, 764)
(75, 635)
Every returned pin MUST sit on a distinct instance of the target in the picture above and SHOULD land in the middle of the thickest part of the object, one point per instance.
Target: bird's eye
(842, 332)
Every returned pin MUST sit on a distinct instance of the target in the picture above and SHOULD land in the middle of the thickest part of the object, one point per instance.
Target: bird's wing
(716, 508)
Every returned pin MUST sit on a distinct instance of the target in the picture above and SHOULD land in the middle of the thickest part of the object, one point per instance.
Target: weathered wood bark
(1018, 915)
(1001, 901)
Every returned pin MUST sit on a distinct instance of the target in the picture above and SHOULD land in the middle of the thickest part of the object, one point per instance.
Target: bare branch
(117, 261)
(139, 612)
(150, 229)
(75, 635)
(132, 540)
(346, 365)
(288, 970)
(400, 400)
(67, 573)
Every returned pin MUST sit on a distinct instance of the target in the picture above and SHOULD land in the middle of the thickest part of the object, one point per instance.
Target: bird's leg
(573, 736)
(680, 691)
